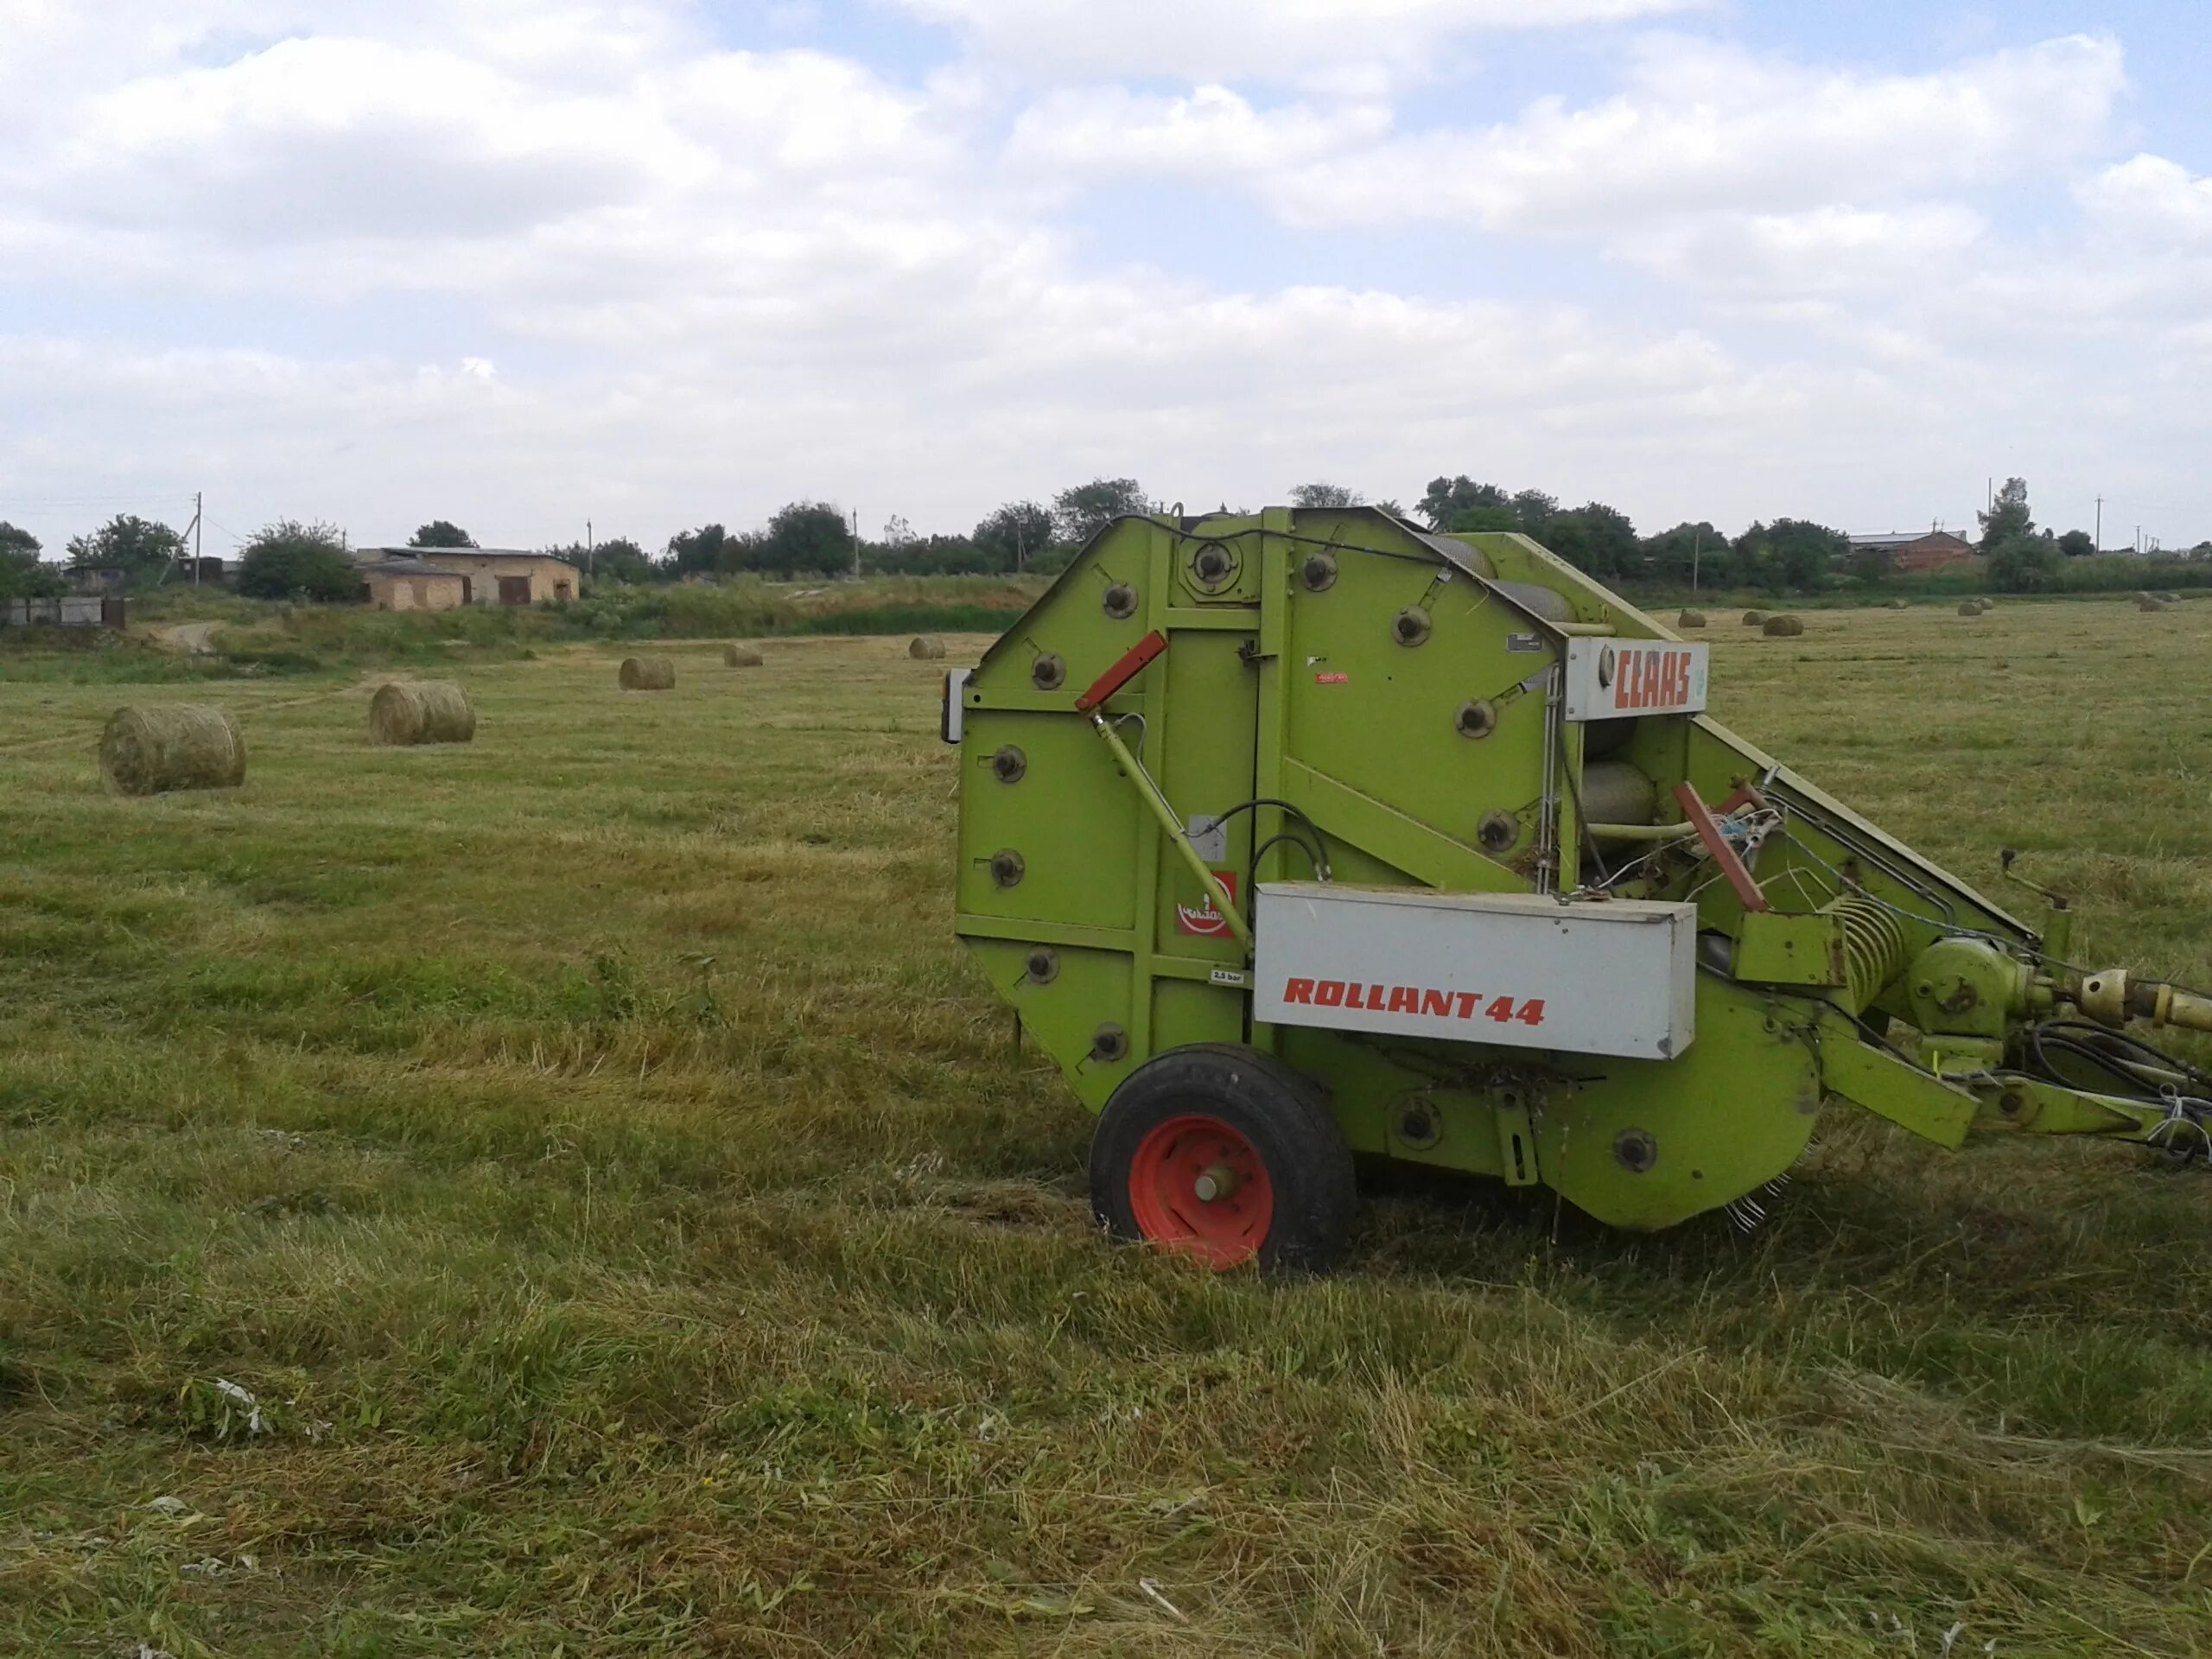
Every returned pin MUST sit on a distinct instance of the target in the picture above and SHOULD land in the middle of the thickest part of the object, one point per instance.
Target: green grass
(625, 1203)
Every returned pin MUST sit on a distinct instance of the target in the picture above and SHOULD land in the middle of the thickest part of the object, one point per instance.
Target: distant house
(492, 576)
(1913, 551)
(399, 581)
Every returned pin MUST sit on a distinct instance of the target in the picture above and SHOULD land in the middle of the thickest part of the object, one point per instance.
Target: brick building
(1913, 551)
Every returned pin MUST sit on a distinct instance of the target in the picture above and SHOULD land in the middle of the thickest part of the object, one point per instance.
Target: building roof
(1907, 537)
(459, 553)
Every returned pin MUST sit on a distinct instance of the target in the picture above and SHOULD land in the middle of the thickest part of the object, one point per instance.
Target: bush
(290, 560)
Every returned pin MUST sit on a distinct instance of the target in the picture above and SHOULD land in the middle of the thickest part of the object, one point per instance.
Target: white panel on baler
(1611, 976)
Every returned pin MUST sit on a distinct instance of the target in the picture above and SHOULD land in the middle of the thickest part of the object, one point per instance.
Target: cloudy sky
(647, 263)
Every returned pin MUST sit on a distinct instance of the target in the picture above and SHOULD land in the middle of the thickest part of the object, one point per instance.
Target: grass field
(625, 1204)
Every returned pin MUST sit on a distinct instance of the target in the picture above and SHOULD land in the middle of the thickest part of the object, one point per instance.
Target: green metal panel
(1775, 948)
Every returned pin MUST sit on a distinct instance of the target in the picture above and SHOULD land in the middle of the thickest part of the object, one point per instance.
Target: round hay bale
(741, 657)
(924, 648)
(179, 745)
(1690, 620)
(1969, 607)
(1898, 605)
(409, 712)
(1785, 626)
(2145, 603)
(648, 674)
(1754, 618)
(2170, 599)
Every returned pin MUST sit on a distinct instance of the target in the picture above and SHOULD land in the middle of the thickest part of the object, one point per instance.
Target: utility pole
(591, 547)
(2100, 536)
(197, 511)
(1697, 545)
(856, 543)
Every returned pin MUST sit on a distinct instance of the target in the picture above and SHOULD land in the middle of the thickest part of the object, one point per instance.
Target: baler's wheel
(1226, 1155)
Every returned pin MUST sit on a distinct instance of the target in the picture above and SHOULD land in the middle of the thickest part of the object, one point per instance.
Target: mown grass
(625, 1203)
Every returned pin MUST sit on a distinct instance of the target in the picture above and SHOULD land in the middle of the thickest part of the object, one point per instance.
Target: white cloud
(1701, 129)
(2149, 199)
(1213, 133)
(1831, 250)
(1332, 40)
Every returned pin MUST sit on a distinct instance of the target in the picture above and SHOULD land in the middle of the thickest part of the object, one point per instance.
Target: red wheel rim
(1198, 1188)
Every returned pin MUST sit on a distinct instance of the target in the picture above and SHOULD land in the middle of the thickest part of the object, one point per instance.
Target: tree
(291, 560)
(1014, 534)
(1804, 554)
(2076, 545)
(897, 532)
(2007, 516)
(1688, 552)
(616, 559)
(704, 551)
(1872, 566)
(1532, 511)
(2023, 563)
(1325, 495)
(1596, 538)
(1080, 514)
(442, 532)
(808, 538)
(1445, 498)
(21, 574)
(140, 549)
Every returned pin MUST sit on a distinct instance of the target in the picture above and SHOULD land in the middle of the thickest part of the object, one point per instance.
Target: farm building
(492, 576)
(399, 581)
(1917, 550)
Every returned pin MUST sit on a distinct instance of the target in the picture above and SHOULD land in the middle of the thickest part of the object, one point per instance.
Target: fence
(70, 611)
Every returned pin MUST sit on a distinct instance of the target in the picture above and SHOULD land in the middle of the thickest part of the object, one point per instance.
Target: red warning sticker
(1332, 679)
(1202, 919)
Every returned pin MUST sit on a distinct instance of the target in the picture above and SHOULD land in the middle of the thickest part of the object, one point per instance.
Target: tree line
(294, 559)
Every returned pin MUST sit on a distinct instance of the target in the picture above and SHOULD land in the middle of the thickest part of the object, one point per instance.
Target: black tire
(1286, 1122)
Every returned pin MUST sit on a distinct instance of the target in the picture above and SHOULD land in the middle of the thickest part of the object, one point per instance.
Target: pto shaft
(2113, 998)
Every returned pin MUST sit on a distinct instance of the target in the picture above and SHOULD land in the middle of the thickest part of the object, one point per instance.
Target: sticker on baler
(1332, 679)
(1609, 678)
(1202, 919)
(1513, 970)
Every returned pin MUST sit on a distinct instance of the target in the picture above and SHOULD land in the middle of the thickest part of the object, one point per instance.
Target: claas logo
(1646, 677)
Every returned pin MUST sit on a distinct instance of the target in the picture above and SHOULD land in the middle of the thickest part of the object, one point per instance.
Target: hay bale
(741, 657)
(1690, 620)
(180, 746)
(409, 712)
(1969, 607)
(925, 649)
(2145, 603)
(1785, 626)
(648, 674)
(2170, 599)
(1898, 605)
(1754, 618)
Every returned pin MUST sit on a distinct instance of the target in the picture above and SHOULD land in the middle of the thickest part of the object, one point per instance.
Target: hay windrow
(925, 648)
(648, 674)
(1690, 620)
(1754, 618)
(1785, 626)
(741, 657)
(150, 751)
(410, 712)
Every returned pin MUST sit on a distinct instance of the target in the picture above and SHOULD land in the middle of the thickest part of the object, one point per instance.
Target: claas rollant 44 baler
(1308, 835)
